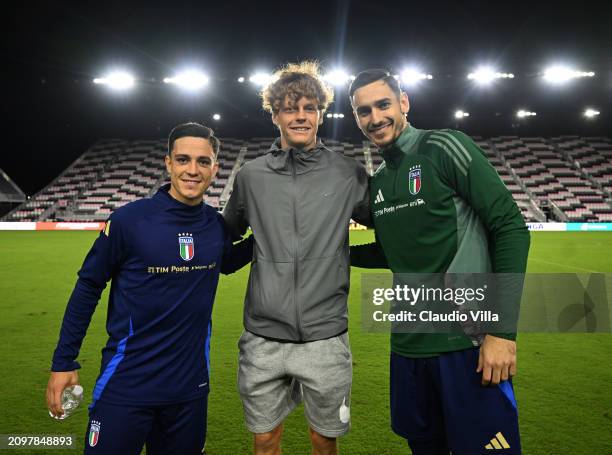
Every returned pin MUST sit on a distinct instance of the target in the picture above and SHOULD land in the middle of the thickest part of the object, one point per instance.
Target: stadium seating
(566, 178)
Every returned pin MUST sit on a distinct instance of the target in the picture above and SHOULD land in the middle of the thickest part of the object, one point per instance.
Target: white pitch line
(565, 266)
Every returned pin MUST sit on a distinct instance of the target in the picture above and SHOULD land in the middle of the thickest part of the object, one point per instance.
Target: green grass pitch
(563, 386)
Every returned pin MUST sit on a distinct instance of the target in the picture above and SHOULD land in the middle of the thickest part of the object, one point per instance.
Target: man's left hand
(497, 360)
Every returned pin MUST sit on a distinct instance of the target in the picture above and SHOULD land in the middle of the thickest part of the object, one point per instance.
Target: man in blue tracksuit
(163, 256)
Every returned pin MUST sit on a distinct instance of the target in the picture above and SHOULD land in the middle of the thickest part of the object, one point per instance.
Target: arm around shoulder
(234, 212)
(362, 211)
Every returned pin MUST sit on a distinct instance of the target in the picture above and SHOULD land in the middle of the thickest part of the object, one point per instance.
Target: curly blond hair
(297, 80)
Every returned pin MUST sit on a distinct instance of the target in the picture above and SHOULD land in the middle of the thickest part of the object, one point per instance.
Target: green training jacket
(439, 206)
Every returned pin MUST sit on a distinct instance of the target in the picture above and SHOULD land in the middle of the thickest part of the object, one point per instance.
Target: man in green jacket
(439, 207)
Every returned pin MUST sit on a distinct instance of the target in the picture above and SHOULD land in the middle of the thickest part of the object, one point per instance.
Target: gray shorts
(274, 377)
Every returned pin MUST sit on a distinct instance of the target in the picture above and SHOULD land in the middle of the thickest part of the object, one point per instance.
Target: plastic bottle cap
(77, 390)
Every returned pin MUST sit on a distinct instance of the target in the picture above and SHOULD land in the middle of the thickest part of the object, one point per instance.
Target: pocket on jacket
(270, 293)
(323, 291)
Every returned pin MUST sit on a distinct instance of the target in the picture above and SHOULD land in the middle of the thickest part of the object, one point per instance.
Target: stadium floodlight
(411, 76)
(241, 79)
(216, 117)
(591, 113)
(523, 113)
(335, 115)
(337, 78)
(560, 74)
(117, 80)
(260, 78)
(191, 80)
(461, 114)
(484, 75)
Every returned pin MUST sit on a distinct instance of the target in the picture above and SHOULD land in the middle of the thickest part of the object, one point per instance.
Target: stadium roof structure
(9, 191)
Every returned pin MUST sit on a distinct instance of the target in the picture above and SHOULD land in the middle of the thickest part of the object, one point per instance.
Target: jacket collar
(284, 161)
(403, 145)
(170, 204)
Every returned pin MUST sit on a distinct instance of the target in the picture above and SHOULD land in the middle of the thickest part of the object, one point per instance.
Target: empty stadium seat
(575, 173)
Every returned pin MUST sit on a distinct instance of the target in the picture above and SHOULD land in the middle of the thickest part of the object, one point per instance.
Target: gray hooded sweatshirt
(298, 204)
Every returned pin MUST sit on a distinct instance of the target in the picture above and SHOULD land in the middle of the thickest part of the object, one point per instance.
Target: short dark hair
(372, 75)
(192, 129)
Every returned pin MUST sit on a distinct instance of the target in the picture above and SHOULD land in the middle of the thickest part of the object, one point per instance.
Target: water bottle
(71, 398)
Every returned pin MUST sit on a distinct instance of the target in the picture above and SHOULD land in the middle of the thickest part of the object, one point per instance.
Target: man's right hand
(58, 381)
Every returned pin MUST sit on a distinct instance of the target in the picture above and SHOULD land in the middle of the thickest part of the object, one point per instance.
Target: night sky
(52, 51)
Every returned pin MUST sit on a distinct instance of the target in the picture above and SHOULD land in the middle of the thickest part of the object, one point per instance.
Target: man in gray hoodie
(298, 199)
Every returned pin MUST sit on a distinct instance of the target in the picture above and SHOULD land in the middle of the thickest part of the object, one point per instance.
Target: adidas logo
(379, 197)
(498, 443)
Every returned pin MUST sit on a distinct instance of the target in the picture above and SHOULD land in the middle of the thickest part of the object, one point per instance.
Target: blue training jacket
(163, 258)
